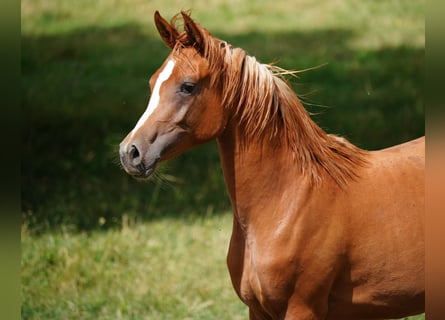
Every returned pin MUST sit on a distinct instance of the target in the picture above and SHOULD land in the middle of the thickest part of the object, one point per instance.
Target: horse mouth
(145, 171)
(142, 171)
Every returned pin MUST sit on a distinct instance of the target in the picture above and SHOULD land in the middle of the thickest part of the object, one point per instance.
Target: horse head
(185, 107)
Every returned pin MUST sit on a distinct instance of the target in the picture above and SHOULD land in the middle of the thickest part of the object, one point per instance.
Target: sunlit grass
(376, 23)
(168, 269)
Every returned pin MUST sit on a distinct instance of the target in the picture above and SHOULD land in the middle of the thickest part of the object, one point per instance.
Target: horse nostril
(134, 153)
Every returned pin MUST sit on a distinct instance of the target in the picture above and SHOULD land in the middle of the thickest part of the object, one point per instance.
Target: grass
(164, 269)
(167, 269)
(85, 68)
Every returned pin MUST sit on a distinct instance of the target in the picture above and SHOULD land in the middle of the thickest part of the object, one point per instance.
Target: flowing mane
(268, 108)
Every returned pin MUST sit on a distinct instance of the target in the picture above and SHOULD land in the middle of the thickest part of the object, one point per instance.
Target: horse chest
(260, 278)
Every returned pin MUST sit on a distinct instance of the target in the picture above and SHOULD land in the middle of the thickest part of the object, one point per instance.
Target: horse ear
(168, 33)
(194, 33)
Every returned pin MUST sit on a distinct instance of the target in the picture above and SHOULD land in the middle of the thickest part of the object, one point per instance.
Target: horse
(322, 229)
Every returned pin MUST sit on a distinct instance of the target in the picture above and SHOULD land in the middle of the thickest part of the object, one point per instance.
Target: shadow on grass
(82, 92)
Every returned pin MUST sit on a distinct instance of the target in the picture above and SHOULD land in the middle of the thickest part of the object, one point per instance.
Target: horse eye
(187, 88)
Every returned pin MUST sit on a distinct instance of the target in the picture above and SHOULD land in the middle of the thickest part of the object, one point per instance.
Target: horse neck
(270, 142)
(255, 171)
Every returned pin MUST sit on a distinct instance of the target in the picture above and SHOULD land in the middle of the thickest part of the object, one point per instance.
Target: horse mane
(268, 108)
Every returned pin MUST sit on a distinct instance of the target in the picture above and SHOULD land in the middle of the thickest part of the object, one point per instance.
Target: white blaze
(154, 99)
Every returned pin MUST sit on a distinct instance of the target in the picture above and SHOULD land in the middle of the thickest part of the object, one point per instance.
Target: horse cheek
(208, 122)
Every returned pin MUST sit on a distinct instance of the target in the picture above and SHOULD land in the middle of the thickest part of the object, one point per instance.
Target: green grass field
(165, 269)
(97, 244)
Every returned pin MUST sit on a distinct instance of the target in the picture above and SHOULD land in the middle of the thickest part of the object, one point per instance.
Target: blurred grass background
(85, 70)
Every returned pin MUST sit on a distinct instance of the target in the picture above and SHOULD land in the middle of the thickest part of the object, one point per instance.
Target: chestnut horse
(321, 228)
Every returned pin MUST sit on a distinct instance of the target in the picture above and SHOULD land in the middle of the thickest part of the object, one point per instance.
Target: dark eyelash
(187, 88)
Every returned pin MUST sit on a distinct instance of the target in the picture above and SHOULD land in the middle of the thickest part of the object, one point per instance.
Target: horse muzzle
(140, 156)
(138, 162)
